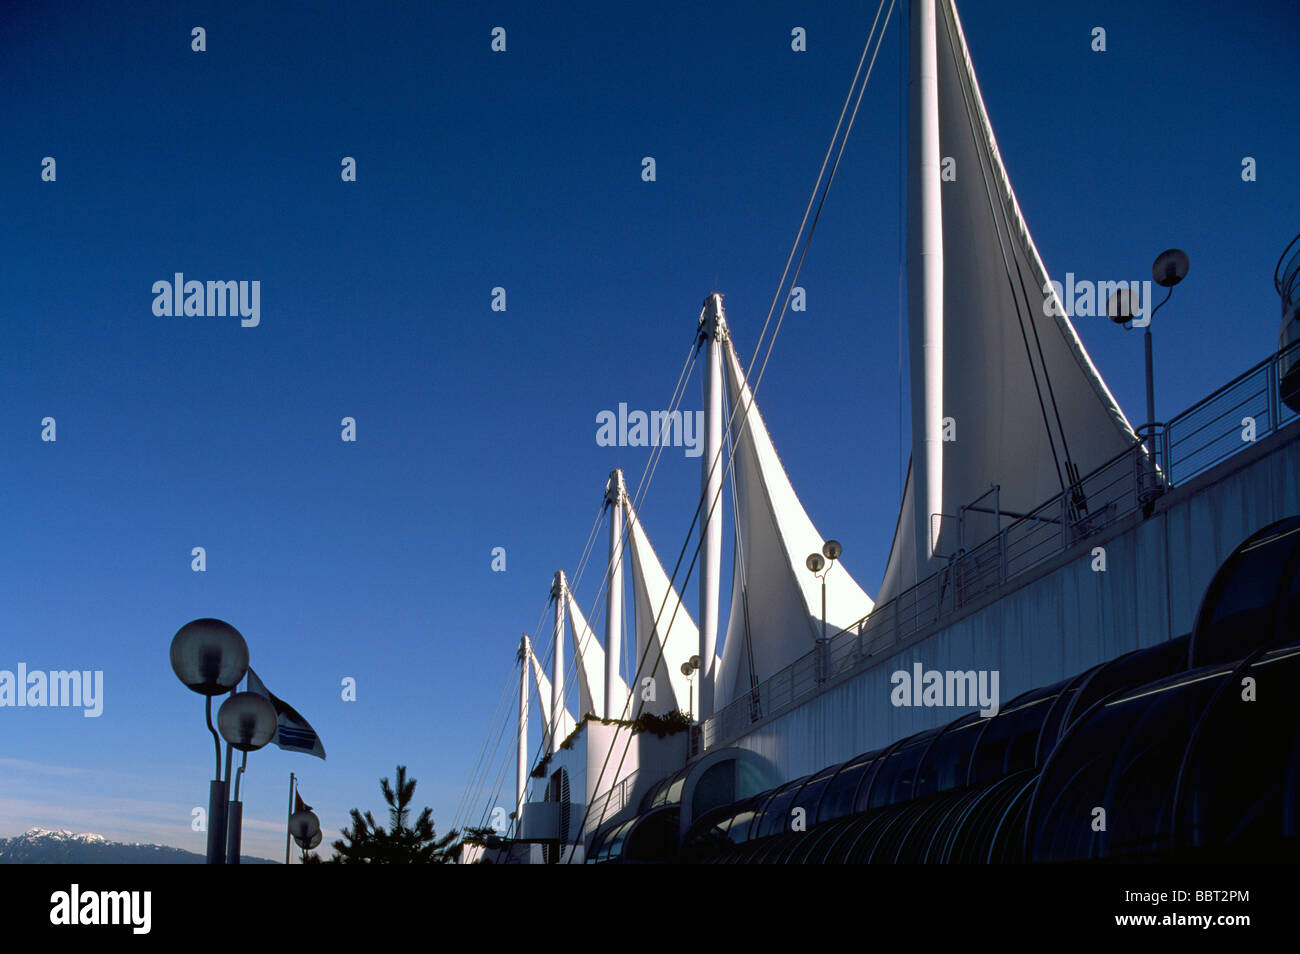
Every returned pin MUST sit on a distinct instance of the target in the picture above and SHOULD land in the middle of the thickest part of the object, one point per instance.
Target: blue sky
(476, 429)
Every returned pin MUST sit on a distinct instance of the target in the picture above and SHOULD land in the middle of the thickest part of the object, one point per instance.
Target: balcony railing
(1226, 422)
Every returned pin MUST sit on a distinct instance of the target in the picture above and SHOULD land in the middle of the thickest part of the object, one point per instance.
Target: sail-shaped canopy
(1024, 404)
(589, 658)
(543, 686)
(775, 599)
(673, 641)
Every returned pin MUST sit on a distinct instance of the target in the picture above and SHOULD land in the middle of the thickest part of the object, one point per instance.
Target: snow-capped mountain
(42, 846)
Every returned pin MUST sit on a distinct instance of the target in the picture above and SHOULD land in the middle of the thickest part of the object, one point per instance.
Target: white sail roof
(1023, 395)
(676, 638)
(775, 599)
(543, 686)
(590, 663)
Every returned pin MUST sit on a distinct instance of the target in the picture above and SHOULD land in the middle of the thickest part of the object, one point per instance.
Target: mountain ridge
(46, 846)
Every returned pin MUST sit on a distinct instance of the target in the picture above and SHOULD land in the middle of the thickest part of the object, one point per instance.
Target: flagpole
(286, 820)
(235, 816)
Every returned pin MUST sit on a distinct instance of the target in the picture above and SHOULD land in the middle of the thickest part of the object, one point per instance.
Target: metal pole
(557, 663)
(822, 667)
(216, 802)
(216, 822)
(235, 817)
(1151, 416)
(521, 774)
(925, 277)
(1151, 390)
(287, 816)
(713, 331)
(824, 604)
(234, 823)
(615, 708)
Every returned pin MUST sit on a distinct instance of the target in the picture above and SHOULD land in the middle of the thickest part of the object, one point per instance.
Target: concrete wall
(1059, 619)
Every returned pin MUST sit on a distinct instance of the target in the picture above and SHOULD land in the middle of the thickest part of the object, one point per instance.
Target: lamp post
(307, 844)
(210, 657)
(1169, 268)
(305, 827)
(247, 722)
(831, 551)
(689, 669)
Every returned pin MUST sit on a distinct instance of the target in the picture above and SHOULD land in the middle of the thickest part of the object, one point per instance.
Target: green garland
(670, 723)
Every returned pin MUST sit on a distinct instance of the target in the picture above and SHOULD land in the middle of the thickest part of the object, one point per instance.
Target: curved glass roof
(842, 791)
(1107, 789)
(1250, 604)
(1156, 747)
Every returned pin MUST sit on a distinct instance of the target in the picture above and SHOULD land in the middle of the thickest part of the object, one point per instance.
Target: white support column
(557, 664)
(713, 332)
(521, 774)
(925, 279)
(614, 493)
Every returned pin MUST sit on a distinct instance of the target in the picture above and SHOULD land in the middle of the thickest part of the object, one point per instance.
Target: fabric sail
(589, 656)
(775, 615)
(543, 686)
(1023, 397)
(666, 635)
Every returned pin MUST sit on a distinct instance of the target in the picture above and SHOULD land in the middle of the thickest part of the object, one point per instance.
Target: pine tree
(369, 843)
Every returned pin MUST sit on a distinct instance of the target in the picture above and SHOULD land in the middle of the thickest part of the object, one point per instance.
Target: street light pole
(1151, 387)
(210, 657)
(235, 816)
(1169, 268)
(216, 801)
(816, 562)
(288, 815)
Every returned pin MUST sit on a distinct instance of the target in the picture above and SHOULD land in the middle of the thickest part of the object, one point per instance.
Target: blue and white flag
(294, 733)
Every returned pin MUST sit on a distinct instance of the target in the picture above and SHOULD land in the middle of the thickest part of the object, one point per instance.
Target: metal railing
(609, 803)
(1217, 427)
(1226, 422)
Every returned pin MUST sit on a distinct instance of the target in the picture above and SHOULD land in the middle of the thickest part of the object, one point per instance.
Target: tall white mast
(713, 331)
(521, 775)
(614, 492)
(557, 663)
(925, 279)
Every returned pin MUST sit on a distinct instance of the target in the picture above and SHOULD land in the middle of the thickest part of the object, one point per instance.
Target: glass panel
(1010, 743)
(897, 774)
(1232, 795)
(1123, 758)
(673, 794)
(840, 793)
(1241, 606)
(837, 851)
(1133, 669)
(776, 817)
(762, 801)
(947, 764)
(715, 788)
(810, 796)
(972, 837)
(707, 837)
(1055, 722)
(614, 845)
(654, 837)
(738, 830)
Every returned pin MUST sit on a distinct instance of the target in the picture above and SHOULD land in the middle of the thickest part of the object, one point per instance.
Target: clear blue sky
(476, 428)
